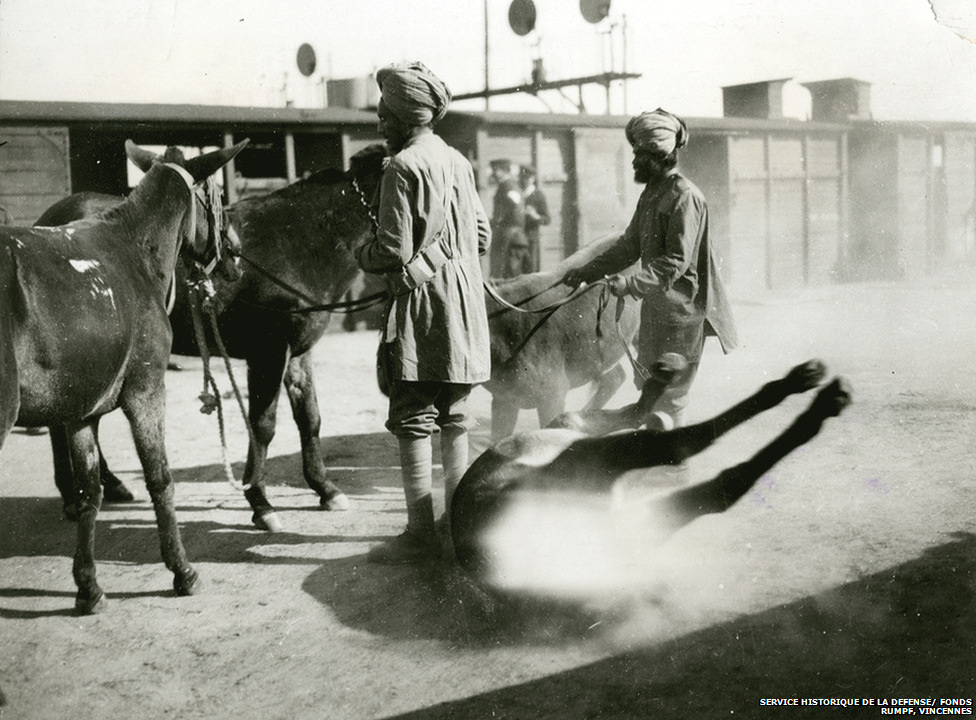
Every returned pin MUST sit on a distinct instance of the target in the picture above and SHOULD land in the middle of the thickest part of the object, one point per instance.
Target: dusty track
(849, 571)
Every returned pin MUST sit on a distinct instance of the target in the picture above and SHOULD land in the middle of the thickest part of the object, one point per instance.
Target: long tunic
(678, 281)
(428, 196)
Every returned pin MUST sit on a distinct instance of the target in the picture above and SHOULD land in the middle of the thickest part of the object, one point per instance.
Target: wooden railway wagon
(775, 187)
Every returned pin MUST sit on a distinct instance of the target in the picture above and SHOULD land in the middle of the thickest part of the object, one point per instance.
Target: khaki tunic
(678, 281)
(428, 196)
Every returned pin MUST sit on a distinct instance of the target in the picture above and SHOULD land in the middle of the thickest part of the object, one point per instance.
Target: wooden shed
(53, 149)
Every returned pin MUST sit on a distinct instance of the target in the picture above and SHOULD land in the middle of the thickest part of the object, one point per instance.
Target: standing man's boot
(417, 544)
(454, 457)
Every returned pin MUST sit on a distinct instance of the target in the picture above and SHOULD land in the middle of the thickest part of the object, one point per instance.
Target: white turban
(659, 130)
(413, 93)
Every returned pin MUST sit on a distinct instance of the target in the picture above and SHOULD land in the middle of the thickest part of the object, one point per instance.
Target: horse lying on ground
(84, 330)
(558, 462)
(297, 247)
(219, 259)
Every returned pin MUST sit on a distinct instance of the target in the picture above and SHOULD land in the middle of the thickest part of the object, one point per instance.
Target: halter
(190, 182)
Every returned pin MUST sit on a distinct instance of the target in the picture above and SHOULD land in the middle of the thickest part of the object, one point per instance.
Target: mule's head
(366, 169)
(209, 235)
(220, 256)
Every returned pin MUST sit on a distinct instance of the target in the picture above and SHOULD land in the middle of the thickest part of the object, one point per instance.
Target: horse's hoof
(836, 396)
(807, 376)
(336, 502)
(268, 521)
(188, 583)
(85, 605)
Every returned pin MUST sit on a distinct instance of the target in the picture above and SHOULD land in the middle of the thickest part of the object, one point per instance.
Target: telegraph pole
(487, 84)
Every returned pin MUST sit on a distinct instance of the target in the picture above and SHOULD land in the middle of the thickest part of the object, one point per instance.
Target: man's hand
(575, 277)
(618, 285)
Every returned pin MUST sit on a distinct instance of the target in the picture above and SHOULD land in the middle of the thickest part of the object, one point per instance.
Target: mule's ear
(142, 158)
(203, 166)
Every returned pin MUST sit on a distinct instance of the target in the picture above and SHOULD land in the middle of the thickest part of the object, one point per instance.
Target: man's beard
(646, 174)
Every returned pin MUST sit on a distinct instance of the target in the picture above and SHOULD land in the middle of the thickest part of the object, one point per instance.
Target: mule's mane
(329, 176)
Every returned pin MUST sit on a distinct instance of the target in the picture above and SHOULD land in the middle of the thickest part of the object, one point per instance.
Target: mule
(84, 330)
(556, 463)
(538, 357)
(297, 248)
(219, 259)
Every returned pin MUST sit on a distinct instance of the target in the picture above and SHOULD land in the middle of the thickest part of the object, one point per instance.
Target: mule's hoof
(268, 521)
(338, 501)
(807, 376)
(85, 605)
(117, 493)
(188, 583)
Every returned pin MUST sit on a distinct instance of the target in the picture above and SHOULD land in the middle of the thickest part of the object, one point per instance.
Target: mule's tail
(13, 307)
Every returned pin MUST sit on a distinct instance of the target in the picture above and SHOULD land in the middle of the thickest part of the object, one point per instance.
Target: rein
(345, 306)
(578, 292)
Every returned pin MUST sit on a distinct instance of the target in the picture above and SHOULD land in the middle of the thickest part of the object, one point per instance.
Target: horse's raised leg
(148, 432)
(599, 461)
(86, 492)
(715, 496)
(264, 378)
(300, 386)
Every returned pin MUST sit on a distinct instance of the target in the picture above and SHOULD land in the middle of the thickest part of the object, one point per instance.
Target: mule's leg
(300, 386)
(715, 496)
(87, 498)
(146, 418)
(63, 475)
(113, 489)
(553, 402)
(599, 461)
(504, 418)
(265, 373)
(606, 387)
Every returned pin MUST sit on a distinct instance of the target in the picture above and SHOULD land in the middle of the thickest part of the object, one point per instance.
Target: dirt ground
(848, 572)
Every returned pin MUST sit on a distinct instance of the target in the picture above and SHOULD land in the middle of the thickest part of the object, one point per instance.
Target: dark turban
(659, 130)
(412, 93)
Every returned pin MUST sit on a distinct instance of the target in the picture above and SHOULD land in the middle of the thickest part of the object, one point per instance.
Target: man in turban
(683, 296)
(431, 230)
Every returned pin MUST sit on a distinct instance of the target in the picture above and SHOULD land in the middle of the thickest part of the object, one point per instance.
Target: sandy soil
(848, 572)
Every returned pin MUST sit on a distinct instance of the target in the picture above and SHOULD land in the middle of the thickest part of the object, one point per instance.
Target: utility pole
(487, 84)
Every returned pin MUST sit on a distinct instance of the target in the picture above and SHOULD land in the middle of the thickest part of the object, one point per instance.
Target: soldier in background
(507, 221)
(536, 215)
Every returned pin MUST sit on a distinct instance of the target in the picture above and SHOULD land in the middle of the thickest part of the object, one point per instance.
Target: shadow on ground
(909, 631)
